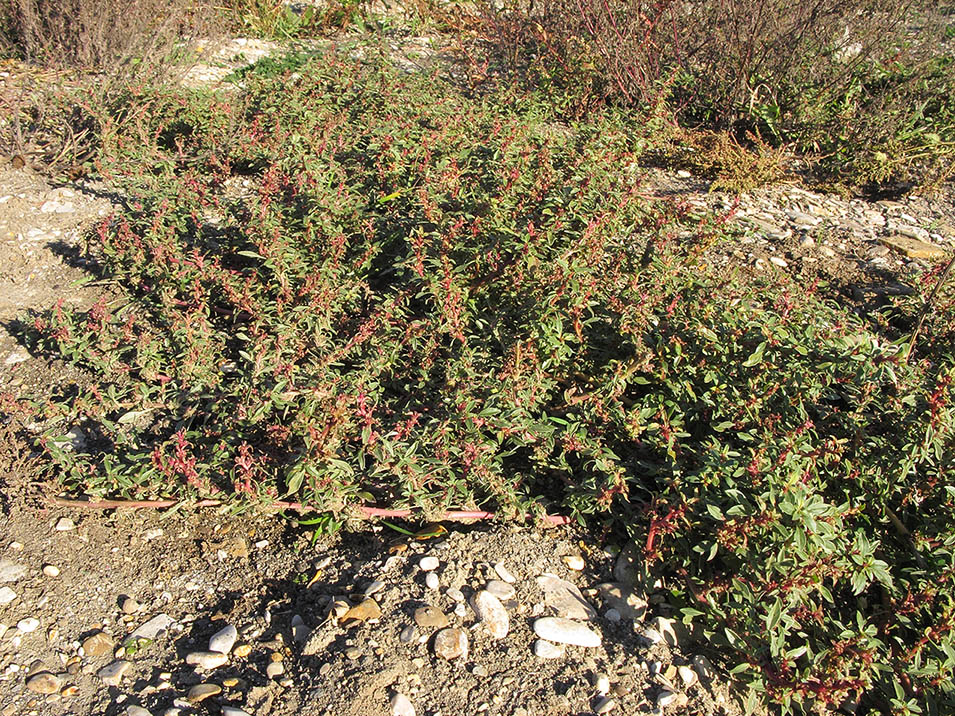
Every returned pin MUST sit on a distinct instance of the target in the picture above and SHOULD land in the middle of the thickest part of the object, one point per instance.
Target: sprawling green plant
(355, 285)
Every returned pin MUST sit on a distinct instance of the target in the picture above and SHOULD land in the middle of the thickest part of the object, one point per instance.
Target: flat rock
(44, 683)
(151, 629)
(565, 599)
(621, 598)
(112, 674)
(233, 711)
(451, 643)
(11, 571)
(207, 659)
(427, 564)
(500, 589)
(913, 248)
(224, 639)
(566, 631)
(137, 711)
(98, 644)
(64, 524)
(429, 617)
(492, 613)
(28, 625)
(504, 573)
(7, 595)
(367, 609)
(200, 692)
(548, 650)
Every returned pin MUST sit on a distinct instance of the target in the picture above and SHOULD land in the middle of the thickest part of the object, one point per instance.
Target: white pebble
(401, 706)
(51, 570)
(64, 524)
(504, 573)
(574, 562)
(431, 580)
(223, 640)
(30, 624)
(428, 563)
(7, 595)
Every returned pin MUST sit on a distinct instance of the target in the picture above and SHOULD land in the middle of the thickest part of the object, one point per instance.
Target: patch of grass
(350, 284)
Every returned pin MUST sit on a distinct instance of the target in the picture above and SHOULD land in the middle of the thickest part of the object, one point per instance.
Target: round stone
(401, 706)
(112, 674)
(129, 605)
(574, 562)
(44, 683)
(451, 643)
(428, 564)
(200, 692)
(98, 644)
(207, 660)
(504, 573)
(274, 669)
(431, 581)
(51, 570)
(28, 625)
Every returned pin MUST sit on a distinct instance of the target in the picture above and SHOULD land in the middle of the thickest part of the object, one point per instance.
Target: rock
(317, 641)
(428, 564)
(504, 573)
(242, 650)
(455, 594)
(224, 639)
(431, 580)
(668, 698)
(429, 617)
(11, 571)
(602, 687)
(500, 589)
(778, 262)
(129, 605)
(7, 595)
(666, 628)
(207, 660)
(574, 562)
(548, 650)
(112, 674)
(152, 533)
(407, 634)
(150, 630)
(605, 705)
(565, 631)
(44, 683)
(492, 613)
(612, 615)
(374, 588)
(28, 625)
(98, 644)
(687, 676)
(703, 668)
(913, 248)
(451, 643)
(137, 711)
(275, 669)
(300, 631)
(565, 598)
(233, 711)
(64, 524)
(622, 598)
(200, 692)
(51, 570)
(401, 706)
(367, 609)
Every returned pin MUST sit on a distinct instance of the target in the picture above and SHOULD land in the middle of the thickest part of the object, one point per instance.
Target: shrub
(432, 301)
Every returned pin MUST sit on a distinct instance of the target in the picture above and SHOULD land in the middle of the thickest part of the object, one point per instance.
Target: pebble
(492, 613)
(777, 261)
(431, 581)
(666, 628)
(504, 573)
(51, 570)
(451, 643)
(374, 588)
(64, 524)
(275, 669)
(612, 615)
(401, 706)
(602, 686)
(137, 711)
(207, 660)
(687, 676)
(224, 639)
(129, 605)
(455, 594)
(622, 599)
(233, 711)
(300, 631)
(565, 599)
(548, 650)
(44, 683)
(407, 634)
(7, 595)
(500, 589)
(703, 668)
(98, 644)
(668, 698)
(28, 625)
(151, 629)
(429, 617)
(565, 631)
(428, 564)
(574, 562)
(200, 692)
(605, 706)
(112, 674)
(11, 571)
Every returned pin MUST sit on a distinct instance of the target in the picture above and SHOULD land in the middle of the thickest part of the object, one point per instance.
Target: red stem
(276, 506)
